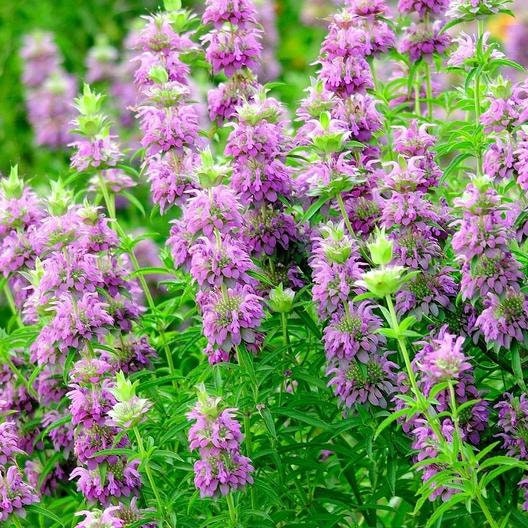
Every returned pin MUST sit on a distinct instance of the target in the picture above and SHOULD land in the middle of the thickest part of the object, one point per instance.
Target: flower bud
(159, 74)
(13, 186)
(383, 281)
(381, 249)
(210, 173)
(60, 198)
(281, 300)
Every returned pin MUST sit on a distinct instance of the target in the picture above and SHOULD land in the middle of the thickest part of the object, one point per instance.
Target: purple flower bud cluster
(119, 516)
(49, 91)
(489, 268)
(513, 423)
(168, 120)
(442, 359)
(422, 40)
(15, 494)
(217, 437)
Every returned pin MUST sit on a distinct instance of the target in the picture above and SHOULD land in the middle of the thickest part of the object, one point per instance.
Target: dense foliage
(241, 289)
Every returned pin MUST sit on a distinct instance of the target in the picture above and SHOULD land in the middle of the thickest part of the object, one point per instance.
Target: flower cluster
(49, 90)
(216, 435)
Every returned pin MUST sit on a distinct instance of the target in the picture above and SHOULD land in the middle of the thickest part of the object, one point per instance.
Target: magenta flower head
(230, 51)
(41, 58)
(422, 7)
(423, 41)
(9, 442)
(214, 209)
(413, 140)
(122, 480)
(445, 359)
(352, 334)
(505, 319)
(214, 427)
(357, 382)
(236, 12)
(346, 75)
(217, 437)
(513, 421)
(231, 317)
(367, 8)
(15, 494)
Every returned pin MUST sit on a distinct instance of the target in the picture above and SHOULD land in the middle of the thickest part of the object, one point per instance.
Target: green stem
(427, 411)
(344, 214)
(233, 514)
(477, 101)
(21, 378)
(148, 471)
(285, 334)
(487, 513)
(11, 304)
(428, 90)
(16, 521)
(417, 109)
(249, 451)
(110, 205)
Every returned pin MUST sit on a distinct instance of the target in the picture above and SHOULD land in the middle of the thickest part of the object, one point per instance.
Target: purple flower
(346, 75)
(413, 140)
(171, 176)
(164, 129)
(231, 317)
(224, 100)
(352, 334)
(237, 12)
(159, 37)
(75, 321)
(427, 293)
(129, 354)
(122, 480)
(368, 8)
(217, 436)
(357, 382)
(499, 160)
(360, 115)
(90, 440)
(214, 263)
(268, 230)
(505, 319)
(493, 275)
(15, 494)
(214, 429)
(422, 7)
(416, 247)
(513, 421)
(61, 436)
(9, 442)
(261, 181)
(467, 50)
(217, 473)
(41, 58)
(90, 405)
(50, 109)
(100, 519)
(499, 116)
(19, 212)
(101, 62)
(422, 40)
(445, 359)
(212, 209)
(521, 159)
(100, 151)
(232, 50)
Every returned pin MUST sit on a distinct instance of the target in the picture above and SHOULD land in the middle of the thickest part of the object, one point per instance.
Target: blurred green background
(76, 24)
